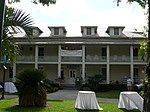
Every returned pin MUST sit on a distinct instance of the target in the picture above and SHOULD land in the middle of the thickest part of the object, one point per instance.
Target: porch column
(59, 61)
(131, 63)
(14, 72)
(108, 65)
(83, 62)
(36, 56)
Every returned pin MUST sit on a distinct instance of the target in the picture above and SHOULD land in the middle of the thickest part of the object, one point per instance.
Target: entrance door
(72, 76)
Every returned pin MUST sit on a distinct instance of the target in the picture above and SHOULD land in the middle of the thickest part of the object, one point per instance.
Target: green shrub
(106, 87)
(94, 81)
(51, 86)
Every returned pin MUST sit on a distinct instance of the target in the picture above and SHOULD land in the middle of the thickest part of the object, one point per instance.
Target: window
(62, 73)
(104, 51)
(89, 31)
(135, 51)
(41, 51)
(30, 48)
(136, 72)
(103, 71)
(116, 31)
(56, 31)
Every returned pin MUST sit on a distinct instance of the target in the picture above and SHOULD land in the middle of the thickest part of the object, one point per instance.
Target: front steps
(69, 86)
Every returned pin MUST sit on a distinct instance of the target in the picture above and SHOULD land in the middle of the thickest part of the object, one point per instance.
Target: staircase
(69, 86)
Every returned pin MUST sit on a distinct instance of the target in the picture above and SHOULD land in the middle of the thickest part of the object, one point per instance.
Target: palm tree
(14, 21)
(31, 88)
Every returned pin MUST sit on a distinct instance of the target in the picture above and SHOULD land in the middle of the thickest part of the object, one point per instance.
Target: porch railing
(26, 59)
(119, 58)
(48, 58)
(88, 58)
(95, 58)
(71, 59)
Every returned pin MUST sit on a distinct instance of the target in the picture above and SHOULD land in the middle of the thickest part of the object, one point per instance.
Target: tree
(19, 20)
(15, 21)
(31, 88)
(145, 50)
(44, 2)
(2, 12)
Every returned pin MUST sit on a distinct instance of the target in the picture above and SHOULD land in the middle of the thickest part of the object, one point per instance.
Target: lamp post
(4, 74)
(2, 12)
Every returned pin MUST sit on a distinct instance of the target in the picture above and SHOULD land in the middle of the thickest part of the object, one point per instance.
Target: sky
(75, 13)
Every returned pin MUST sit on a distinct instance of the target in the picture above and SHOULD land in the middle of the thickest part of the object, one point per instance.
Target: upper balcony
(88, 58)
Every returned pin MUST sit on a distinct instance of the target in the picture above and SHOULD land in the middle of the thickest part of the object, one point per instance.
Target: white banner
(71, 52)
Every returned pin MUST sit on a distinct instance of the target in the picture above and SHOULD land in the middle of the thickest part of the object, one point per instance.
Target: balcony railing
(137, 59)
(95, 58)
(26, 58)
(88, 58)
(48, 59)
(71, 59)
(40, 59)
(119, 58)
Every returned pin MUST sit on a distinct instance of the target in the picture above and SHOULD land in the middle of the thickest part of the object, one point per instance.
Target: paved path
(66, 95)
(72, 94)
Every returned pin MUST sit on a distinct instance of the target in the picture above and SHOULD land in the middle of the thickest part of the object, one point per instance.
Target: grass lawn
(114, 94)
(55, 106)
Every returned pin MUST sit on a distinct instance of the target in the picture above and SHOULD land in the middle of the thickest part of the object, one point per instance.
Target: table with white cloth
(87, 100)
(130, 100)
(10, 87)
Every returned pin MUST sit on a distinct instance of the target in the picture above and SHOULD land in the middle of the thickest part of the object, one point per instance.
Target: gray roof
(101, 32)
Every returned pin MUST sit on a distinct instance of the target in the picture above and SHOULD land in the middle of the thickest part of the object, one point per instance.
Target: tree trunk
(146, 105)
(33, 100)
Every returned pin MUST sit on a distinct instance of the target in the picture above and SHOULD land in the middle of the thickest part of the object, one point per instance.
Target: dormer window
(89, 31)
(35, 31)
(56, 31)
(116, 31)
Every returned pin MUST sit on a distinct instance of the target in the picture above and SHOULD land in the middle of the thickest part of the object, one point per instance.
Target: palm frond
(17, 19)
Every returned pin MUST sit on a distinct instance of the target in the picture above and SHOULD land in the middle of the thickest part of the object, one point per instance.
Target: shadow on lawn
(79, 110)
(17, 108)
(134, 110)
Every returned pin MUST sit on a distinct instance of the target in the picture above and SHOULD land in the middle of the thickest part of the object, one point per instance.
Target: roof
(76, 32)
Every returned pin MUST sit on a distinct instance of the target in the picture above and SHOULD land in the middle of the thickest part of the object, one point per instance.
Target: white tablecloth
(10, 87)
(87, 100)
(130, 100)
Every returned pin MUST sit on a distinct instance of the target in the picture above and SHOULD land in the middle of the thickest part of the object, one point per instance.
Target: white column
(108, 65)
(83, 62)
(14, 72)
(36, 56)
(131, 64)
(59, 61)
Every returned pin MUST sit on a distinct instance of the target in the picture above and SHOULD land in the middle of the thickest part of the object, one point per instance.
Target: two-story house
(112, 53)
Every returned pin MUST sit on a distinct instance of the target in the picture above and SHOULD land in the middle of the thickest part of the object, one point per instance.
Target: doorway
(72, 76)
